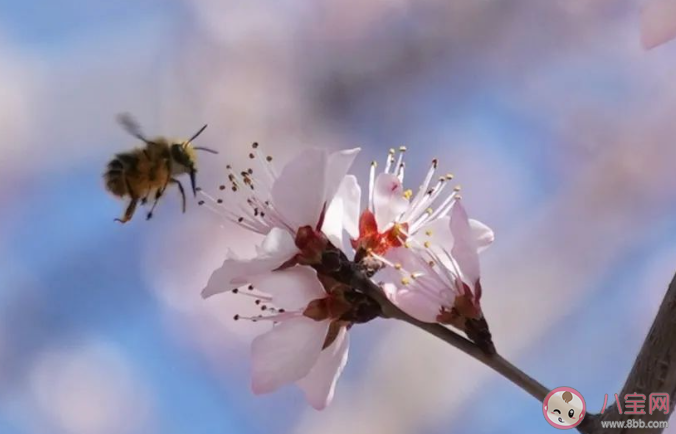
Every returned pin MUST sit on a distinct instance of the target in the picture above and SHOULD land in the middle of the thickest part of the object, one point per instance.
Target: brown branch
(654, 370)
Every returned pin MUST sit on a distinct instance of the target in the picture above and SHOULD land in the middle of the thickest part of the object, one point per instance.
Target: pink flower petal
(438, 233)
(338, 165)
(278, 247)
(465, 251)
(320, 384)
(417, 304)
(483, 235)
(286, 353)
(298, 194)
(658, 23)
(343, 212)
(291, 289)
(388, 200)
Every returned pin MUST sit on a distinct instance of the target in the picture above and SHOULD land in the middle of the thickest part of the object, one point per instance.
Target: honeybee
(145, 172)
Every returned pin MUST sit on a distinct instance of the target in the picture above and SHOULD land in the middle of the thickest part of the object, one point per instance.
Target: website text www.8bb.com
(635, 423)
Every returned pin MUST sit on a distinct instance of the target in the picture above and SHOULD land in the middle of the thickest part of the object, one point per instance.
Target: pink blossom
(306, 344)
(440, 283)
(282, 207)
(658, 23)
(396, 217)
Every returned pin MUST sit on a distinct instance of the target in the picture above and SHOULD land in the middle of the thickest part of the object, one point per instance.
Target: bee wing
(130, 125)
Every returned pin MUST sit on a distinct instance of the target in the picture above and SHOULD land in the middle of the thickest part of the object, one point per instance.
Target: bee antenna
(131, 126)
(202, 148)
(198, 133)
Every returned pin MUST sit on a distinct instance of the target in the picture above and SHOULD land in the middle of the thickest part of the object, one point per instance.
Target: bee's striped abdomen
(115, 176)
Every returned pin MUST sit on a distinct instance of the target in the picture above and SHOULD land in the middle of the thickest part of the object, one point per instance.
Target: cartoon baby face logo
(564, 408)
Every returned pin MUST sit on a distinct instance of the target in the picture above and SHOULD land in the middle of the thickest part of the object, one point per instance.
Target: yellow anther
(374, 164)
(407, 245)
(427, 244)
(408, 194)
(449, 176)
(405, 281)
(457, 188)
(397, 266)
(392, 151)
(402, 148)
(428, 232)
(429, 211)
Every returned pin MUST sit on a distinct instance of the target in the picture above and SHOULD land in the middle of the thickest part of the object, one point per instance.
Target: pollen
(449, 176)
(427, 244)
(408, 194)
(405, 281)
(407, 245)
(392, 151)
(397, 266)
(429, 211)
(402, 148)
(428, 232)
(457, 188)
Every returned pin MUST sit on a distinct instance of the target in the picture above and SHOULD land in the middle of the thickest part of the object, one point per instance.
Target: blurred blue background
(557, 124)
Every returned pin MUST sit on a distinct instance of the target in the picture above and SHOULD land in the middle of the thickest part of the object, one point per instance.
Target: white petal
(343, 213)
(319, 385)
(483, 235)
(388, 200)
(338, 165)
(417, 304)
(298, 195)
(658, 23)
(437, 232)
(279, 242)
(291, 289)
(286, 353)
(464, 247)
(277, 248)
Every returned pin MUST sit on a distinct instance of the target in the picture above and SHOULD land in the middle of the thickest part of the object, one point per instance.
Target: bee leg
(129, 212)
(158, 195)
(180, 190)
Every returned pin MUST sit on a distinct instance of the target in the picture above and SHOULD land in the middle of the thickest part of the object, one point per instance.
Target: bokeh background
(558, 125)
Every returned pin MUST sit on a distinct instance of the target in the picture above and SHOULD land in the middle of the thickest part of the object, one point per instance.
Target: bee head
(185, 159)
